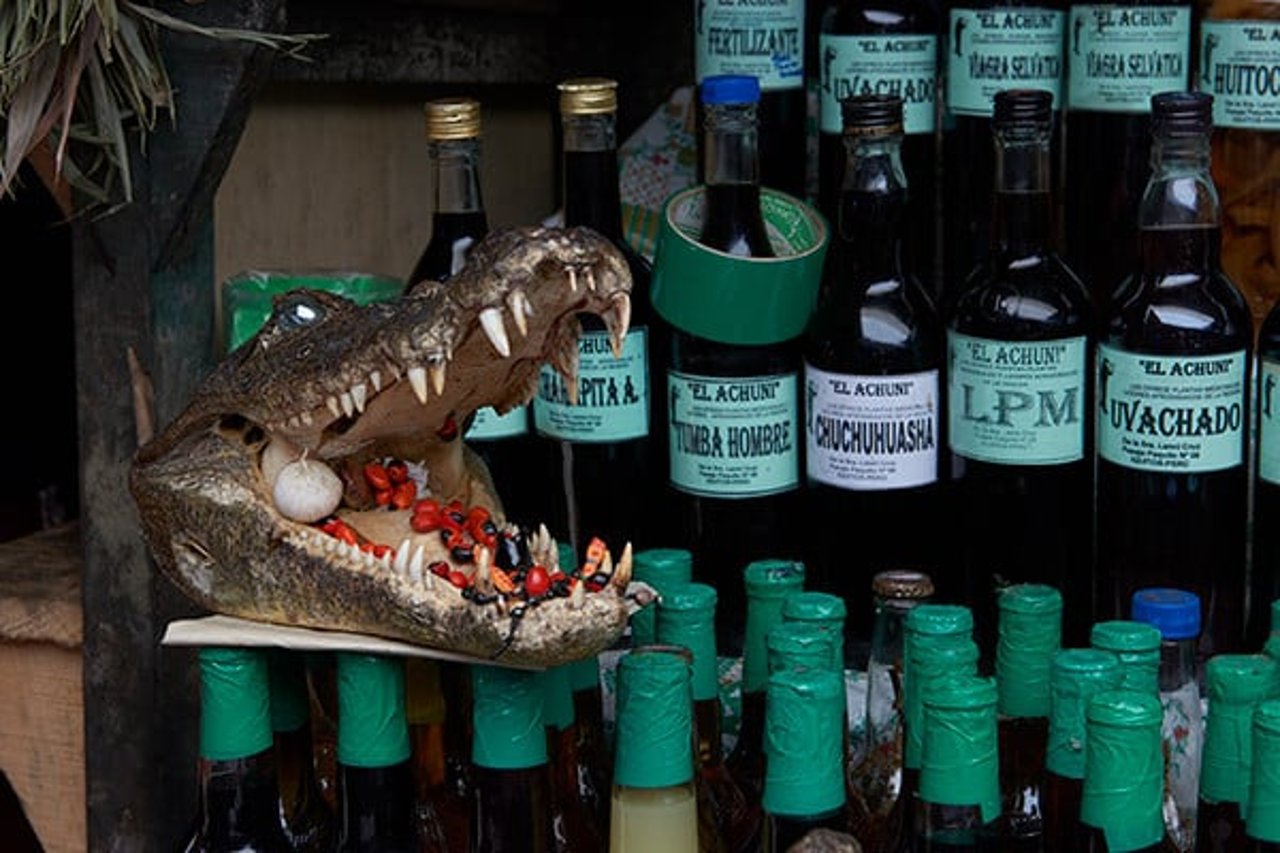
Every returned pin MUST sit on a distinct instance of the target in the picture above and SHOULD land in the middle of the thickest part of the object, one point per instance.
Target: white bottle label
(613, 393)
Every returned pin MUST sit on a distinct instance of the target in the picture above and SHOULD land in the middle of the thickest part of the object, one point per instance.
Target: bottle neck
(591, 192)
(731, 138)
(872, 200)
(1180, 213)
(429, 761)
(884, 671)
(1177, 664)
(706, 717)
(1023, 203)
(239, 800)
(376, 804)
(295, 765)
(455, 165)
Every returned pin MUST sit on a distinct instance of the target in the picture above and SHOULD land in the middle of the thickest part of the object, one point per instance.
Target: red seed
(459, 580)
(383, 497)
(346, 534)
(381, 551)
(398, 472)
(427, 505)
(477, 517)
(536, 582)
(402, 496)
(439, 568)
(424, 522)
(377, 476)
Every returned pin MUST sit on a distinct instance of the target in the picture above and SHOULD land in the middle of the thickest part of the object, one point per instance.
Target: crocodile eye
(296, 311)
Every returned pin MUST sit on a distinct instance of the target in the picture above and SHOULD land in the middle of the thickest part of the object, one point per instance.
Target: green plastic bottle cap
(769, 583)
(960, 765)
(584, 674)
(1137, 644)
(1124, 769)
(557, 697)
(938, 630)
(934, 619)
(235, 703)
(773, 578)
(290, 699)
(658, 567)
(1273, 642)
(1078, 676)
(372, 729)
(1236, 685)
(825, 610)
(798, 645)
(507, 718)
(1030, 633)
(687, 617)
(804, 721)
(1262, 818)
(654, 732)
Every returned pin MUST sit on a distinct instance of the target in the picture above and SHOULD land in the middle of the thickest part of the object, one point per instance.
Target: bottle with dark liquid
(1173, 374)
(873, 353)
(1019, 389)
(1264, 588)
(575, 799)
(1262, 820)
(1078, 676)
(885, 48)
(305, 816)
(442, 814)
(512, 808)
(239, 799)
(1124, 776)
(1030, 635)
(686, 618)
(780, 69)
(804, 785)
(1137, 646)
(594, 757)
(712, 385)
(769, 583)
(958, 807)
(1237, 684)
(1119, 54)
(599, 435)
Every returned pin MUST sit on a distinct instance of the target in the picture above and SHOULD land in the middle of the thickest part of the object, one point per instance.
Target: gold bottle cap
(453, 118)
(588, 96)
(902, 584)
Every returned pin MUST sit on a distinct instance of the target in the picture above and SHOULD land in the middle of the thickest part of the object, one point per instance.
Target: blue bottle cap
(1175, 612)
(730, 89)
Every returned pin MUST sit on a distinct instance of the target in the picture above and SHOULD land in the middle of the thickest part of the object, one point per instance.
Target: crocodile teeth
(606, 565)
(573, 279)
(307, 419)
(437, 372)
(370, 560)
(375, 379)
(348, 405)
(577, 595)
(483, 579)
(332, 403)
(591, 279)
(415, 567)
(295, 421)
(618, 320)
(516, 302)
(401, 564)
(491, 320)
(622, 575)
(359, 393)
(385, 560)
(418, 379)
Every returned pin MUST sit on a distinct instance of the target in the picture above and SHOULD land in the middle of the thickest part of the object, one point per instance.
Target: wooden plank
(40, 588)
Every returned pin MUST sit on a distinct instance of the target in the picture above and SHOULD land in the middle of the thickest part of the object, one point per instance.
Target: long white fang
(307, 419)
(385, 560)
(348, 405)
(437, 372)
(418, 379)
(402, 558)
(577, 595)
(591, 279)
(622, 311)
(359, 393)
(622, 575)
(573, 279)
(332, 403)
(415, 566)
(517, 312)
(375, 379)
(491, 320)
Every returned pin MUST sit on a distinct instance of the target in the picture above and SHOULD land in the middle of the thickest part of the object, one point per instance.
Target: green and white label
(489, 425)
(762, 38)
(1181, 414)
(1240, 67)
(1017, 402)
(1119, 56)
(734, 437)
(613, 393)
(993, 49)
(871, 432)
(902, 65)
(1269, 421)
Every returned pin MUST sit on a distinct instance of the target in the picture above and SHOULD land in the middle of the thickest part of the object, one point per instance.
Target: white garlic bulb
(307, 491)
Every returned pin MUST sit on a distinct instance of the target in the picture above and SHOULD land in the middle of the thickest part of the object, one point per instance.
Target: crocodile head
(319, 478)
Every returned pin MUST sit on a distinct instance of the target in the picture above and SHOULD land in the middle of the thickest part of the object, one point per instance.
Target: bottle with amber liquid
(686, 619)
(1019, 386)
(600, 435)
(239, 799)
(575, 800)
(442, 814)
(304, 814)
(1173, 375)
(1262, 819)
(1078, 676)
(1237, 685)
(873, 355)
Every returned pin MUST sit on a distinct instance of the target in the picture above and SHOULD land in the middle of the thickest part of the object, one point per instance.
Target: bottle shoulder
(1032, 298)
(1188, 313)
(895, 330)
(879, 17)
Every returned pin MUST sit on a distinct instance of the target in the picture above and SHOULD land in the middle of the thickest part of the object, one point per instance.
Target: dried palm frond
(89, 72)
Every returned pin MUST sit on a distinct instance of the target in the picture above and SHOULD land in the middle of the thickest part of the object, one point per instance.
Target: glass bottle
(238, 805)
(441, 815)
(660, 568)
(1138, 646)
(1123, 778)
(1030, 635)
(1119, 54)
(602, 436)
(686, 618)
(885, 48)
(1078, 676)
(1019, 387)
(758, 498)
(375, 773)
(873, 353)
(1173, 368)
(1175, 613)
(1237, 684)
(1264, 586)
(769, 583)
(654, 803)
(804, 785)
(512, 809)
(574, 797)
(1262, 820)
(958, 807)
(728, 40)
(305, 816)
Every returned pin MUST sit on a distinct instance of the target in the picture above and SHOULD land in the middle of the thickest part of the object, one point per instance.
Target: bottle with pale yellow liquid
(654, 805)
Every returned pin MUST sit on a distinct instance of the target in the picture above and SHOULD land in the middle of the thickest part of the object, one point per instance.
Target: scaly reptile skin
(341, 385)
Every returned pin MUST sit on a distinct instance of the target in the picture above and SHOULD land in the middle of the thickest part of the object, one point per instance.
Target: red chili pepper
(398, 472)
(377, 475)
(458, 579)
(536, 581)
(402, 495)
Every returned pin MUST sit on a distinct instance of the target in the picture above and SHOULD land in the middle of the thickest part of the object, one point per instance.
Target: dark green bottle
(1262, 820)
(304, 814)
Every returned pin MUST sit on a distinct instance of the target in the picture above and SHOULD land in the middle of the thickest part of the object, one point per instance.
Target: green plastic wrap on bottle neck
(659, 568)
(769, 583)
(1137, 644)
(936, 658)
(290, 699)
(557, 697)
(1262, 817)
(798, 645)
(372, 729)
(928, 629)
(654, 731)
(1124, 769)
(804, 722)
(1236, 685)
(1273, 642)
(1078, 676)
(825, 610)
(960, 762)
(235, 703)
(1030, 634)
(687, 617)
(508, 732)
